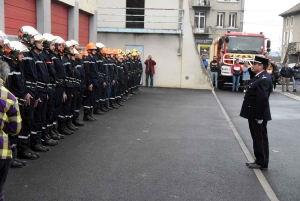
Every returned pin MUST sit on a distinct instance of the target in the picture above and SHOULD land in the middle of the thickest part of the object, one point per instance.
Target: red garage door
(59, 20)
(84, 24)
(19, 13)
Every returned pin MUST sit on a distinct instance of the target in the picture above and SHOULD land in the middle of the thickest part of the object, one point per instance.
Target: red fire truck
(244, 46)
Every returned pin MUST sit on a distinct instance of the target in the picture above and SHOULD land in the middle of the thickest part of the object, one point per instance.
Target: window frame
(220, 23)
(234, 21)
(198, 16)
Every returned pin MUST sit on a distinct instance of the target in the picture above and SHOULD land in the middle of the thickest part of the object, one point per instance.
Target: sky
(262, 16)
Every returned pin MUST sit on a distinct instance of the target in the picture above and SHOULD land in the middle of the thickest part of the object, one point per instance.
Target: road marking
(290, 95)
(261, 178)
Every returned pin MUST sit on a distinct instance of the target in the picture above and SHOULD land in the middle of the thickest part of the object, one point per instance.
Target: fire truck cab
(244, 46)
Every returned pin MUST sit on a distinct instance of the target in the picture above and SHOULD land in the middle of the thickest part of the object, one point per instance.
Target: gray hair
(4, 70)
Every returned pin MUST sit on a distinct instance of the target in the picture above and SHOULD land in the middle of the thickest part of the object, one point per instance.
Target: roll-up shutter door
(84, 24)
(59, 20)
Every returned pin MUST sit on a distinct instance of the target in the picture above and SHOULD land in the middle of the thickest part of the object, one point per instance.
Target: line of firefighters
(52, 78)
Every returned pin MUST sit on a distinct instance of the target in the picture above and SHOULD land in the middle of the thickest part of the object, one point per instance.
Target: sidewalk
(165, 144)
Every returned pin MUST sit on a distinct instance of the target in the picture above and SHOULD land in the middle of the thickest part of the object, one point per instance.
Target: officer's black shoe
(15, 164)
(87, 118)
(24, 163)
(256, 166)
(134, 93)
(27, 154)
(72, 125)
(250, 163)
(63, 130)
(53, 135)
(92, 117)
(98, 112)
(108, 107)
(76, 122)
(61, 136)
(48, 141)
(39, 148)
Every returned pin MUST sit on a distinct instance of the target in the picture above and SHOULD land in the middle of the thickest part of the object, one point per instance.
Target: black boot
(103, 109)
(61, 136)
(72, 125)
(15, 164)
(40, 148)
(108, 107)
(86, 117)
(76, 122)
(113, 104)
(119, 103)
(53, 135)
(69, 126)
(63, 129)
(92, 117)
(98, 112)
(48, 141)
(27, 154)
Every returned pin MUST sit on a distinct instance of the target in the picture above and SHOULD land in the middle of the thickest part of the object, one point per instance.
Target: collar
(257, 75)
(1, 82)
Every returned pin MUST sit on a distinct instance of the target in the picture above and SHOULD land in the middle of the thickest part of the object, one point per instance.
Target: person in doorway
(205, 62)
(296, 77)
(236, 70)
(10, 125)
(150, 70)
(246, 75)
(286, 72)
(256, 109)
(214, 69)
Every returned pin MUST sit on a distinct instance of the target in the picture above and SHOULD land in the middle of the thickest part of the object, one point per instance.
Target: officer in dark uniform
(15, 84)
(256, 109)
(121, 80)
(47, 55)
(105, 73)
(43, 81)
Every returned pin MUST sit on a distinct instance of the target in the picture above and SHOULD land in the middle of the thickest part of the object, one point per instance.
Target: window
(202, 2)
(287, 21)
(220, 19)
(232, 20)
(292, 21)
(290, 36)
(285, 38)
(131, 14)
(200, 21)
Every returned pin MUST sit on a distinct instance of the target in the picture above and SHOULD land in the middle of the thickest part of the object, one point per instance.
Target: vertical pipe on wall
(2, 20)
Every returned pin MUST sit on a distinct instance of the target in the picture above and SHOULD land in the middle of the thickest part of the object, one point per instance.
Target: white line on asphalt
(263, 181)
(290, 95)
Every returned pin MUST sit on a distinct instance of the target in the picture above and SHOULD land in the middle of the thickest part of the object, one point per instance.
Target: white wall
(111, 3)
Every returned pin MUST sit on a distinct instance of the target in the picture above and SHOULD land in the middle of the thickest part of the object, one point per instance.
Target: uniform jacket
(30, 75)
(256, 99)
(70, 68)
(286, 72)
(80, 68)
(91, 71)
(42, 72)
(60, 70)
(77, 75)
(152, 64)
(48, 58)
(120, 68)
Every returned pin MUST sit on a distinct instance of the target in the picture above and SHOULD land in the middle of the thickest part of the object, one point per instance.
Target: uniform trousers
(107, 91)
(125, 85)
(58, 104)
(27, 114)
(40, 123)
(4, 168)
(50, 109)
(97, 94)
(75, 93)
(259, 136)
(89, 101)
(78, 103)
(67, 104)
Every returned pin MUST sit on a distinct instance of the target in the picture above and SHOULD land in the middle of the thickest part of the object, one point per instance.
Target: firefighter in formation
(53, 79)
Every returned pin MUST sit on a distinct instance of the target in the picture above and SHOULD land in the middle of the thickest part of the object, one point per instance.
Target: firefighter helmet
(100, 45)
(13, 49)
(69, 47)
(91, 46)
(59, 43)
(128, 52)
(84, 53)
(26, 33)
(48, 38)
(76, 44)
(134, 54)
(134, 50)
(3, 36)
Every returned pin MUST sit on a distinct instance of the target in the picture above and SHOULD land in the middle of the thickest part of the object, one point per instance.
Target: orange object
(91, 46)
(85, 53)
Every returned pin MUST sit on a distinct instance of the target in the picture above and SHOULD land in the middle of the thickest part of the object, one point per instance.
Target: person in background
(270, 72)
(286, 73)
(150, 70)
(236, 70)
(296, 77)
(275, 74)
(214, 68)
(246, 75)
(10, 125)
(205, 62)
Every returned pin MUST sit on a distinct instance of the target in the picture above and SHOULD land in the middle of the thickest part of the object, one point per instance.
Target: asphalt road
(284, 139)
(165, 144)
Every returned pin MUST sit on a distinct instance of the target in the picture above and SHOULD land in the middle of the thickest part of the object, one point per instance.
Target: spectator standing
(246, 75)
(205, 62)
(275, 74)
(214, 69)
(150, 70)
(270, 72)
(286, 73)
(296, 77)
(10, 125)
(236, 70)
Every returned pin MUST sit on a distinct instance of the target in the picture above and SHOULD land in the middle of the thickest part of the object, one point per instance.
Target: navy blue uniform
(256, 107)
(82, 85)
(99, 89)
(42, 94)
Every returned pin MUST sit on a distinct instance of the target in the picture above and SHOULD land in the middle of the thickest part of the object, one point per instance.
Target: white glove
(259, 121)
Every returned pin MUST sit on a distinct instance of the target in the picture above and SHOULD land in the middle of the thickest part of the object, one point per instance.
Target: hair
(4, 70)
(265, 66)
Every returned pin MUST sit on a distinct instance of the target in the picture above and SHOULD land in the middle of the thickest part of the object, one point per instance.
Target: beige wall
(89, 6)
(163, 4)
(112, 3)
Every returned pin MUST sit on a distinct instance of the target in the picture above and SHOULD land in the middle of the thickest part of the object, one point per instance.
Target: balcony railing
(201, 3)
(294, 48)
(197, 30)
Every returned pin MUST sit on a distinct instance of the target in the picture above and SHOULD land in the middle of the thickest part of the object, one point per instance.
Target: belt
(50, 86)
(70, 79)
(31, 85)
(21, 101)
(42, 85)
(60, 81)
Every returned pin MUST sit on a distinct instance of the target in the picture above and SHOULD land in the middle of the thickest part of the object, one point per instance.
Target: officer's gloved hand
(259, 121)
